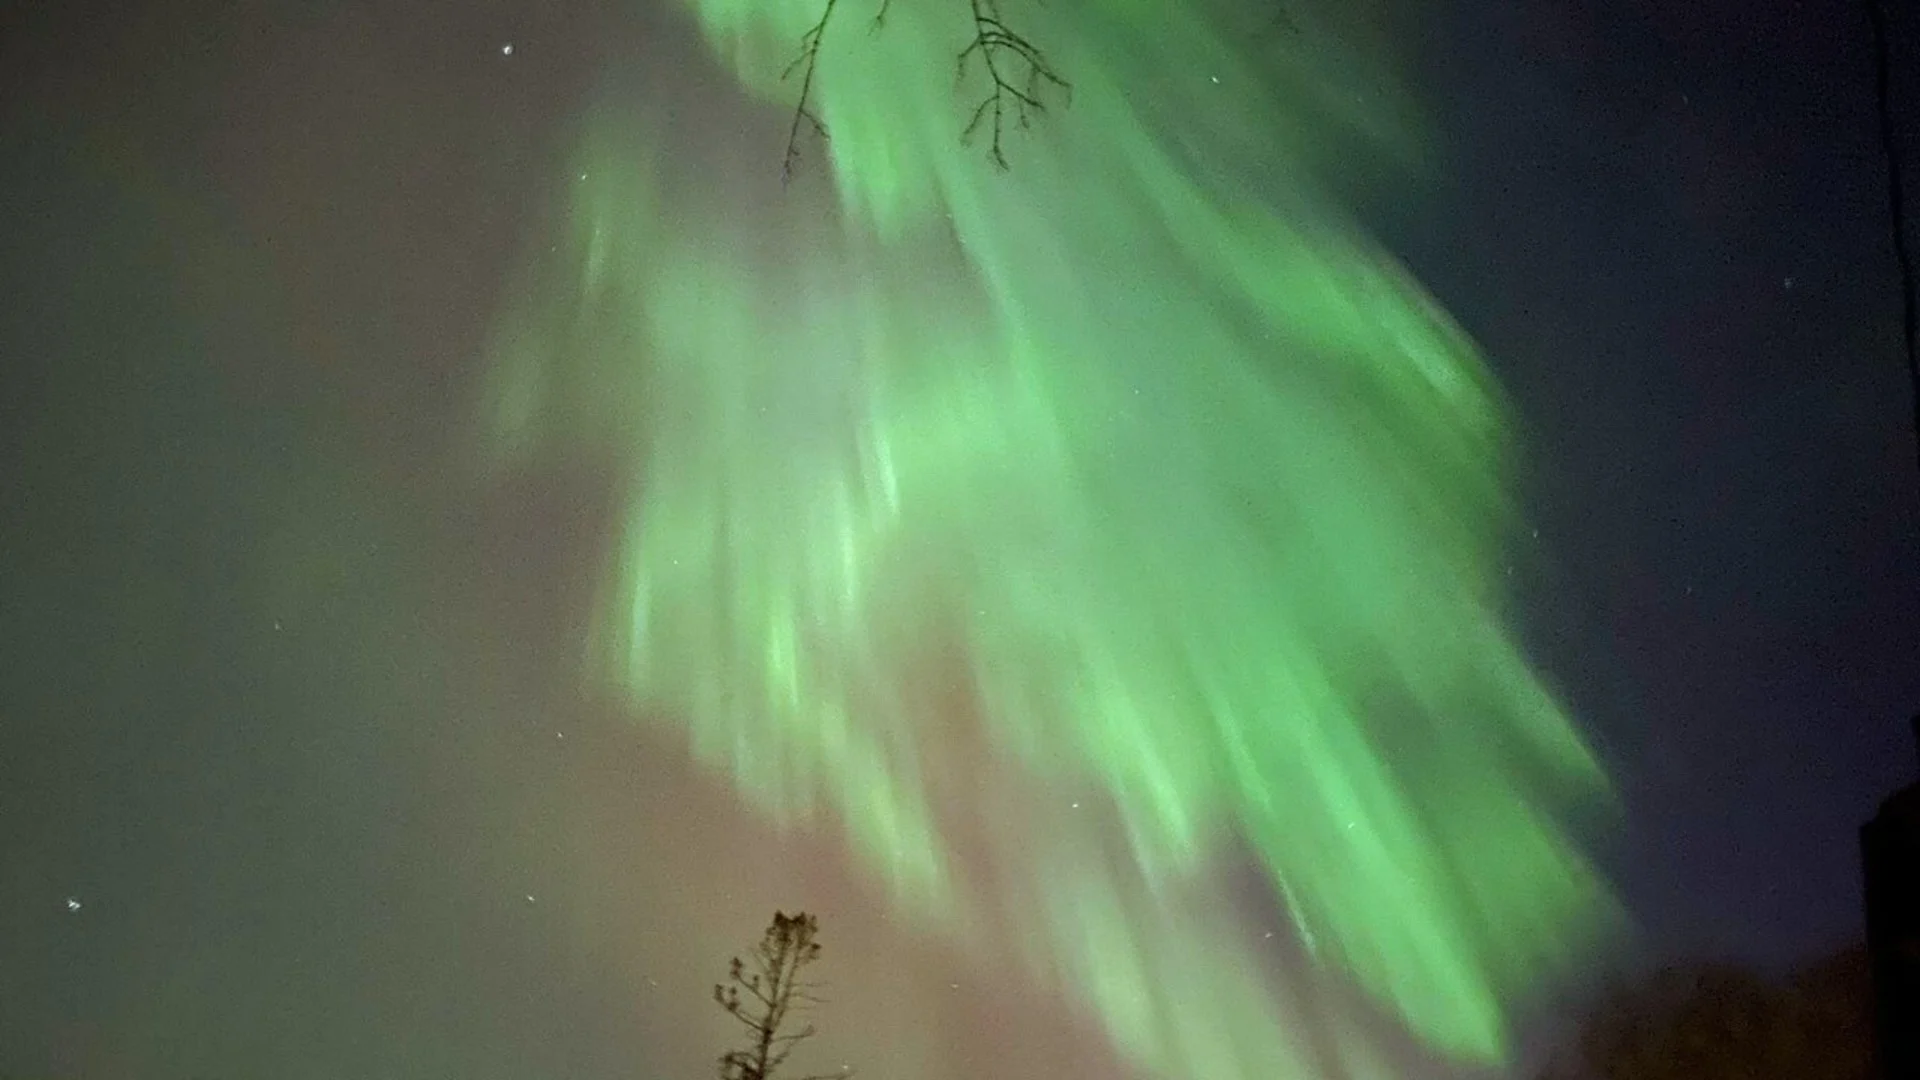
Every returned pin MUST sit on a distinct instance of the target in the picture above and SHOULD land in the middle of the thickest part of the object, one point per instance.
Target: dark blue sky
(1669, 227)
(279, 694)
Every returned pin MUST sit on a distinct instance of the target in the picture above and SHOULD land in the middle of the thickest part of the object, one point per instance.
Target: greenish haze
(1071, 535)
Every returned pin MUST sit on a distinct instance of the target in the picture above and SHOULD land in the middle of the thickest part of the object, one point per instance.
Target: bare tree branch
(1018, 77)
(807, 62)
(1002, 51)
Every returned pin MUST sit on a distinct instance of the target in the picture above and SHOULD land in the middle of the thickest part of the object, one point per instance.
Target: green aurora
(1073, 534)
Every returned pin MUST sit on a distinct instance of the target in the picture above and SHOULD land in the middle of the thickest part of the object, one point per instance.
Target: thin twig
(999, 46)
(807, 62)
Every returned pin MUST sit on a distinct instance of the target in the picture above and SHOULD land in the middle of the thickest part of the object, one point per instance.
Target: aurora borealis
(1094, 480)
(318, 697)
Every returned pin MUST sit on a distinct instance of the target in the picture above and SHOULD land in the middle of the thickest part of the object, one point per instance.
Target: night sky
(296, 778)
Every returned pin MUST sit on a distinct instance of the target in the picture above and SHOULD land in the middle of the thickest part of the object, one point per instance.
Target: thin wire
(1896, 206)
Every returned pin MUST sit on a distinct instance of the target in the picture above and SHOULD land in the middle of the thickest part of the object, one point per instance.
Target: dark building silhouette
(1890, 858)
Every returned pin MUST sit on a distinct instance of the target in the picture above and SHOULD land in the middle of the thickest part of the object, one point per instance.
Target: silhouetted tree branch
(764, 992)
(1018, 77)
(807, 63)
(1002, 52)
